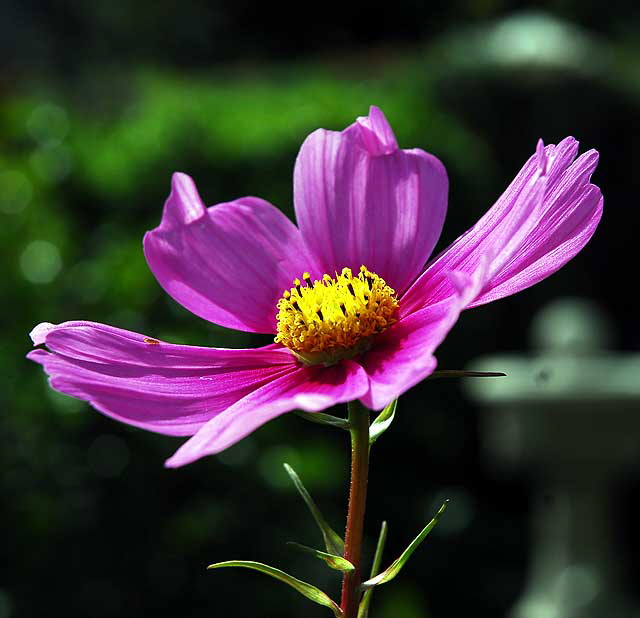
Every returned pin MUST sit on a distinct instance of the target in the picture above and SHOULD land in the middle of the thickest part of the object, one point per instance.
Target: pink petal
(229, 263)
(403, 354)
(376, 133)
(543, 219)
(360, 200)
(307, 388)
(170, 389)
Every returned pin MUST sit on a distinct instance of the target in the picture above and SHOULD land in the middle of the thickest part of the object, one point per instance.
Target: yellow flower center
(335, 318)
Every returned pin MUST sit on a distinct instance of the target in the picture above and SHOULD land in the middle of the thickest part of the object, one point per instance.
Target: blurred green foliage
(92, 521)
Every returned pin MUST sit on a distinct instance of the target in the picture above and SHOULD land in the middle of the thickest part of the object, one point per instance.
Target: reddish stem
(359, 421)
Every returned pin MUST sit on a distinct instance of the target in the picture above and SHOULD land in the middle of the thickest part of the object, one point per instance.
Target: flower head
(335, 318)
(355, 312)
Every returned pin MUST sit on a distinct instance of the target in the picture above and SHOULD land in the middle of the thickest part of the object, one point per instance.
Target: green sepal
(363, 610)
(382, 422)
(311, 592)
(337, 563)
(324, 419)
(461, 373)
(332, 540)
(389, 573)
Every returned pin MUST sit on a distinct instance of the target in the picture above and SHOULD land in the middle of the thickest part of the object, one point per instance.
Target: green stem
(359, 428)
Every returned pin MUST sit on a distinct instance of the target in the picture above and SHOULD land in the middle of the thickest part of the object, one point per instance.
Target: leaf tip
(442, 509)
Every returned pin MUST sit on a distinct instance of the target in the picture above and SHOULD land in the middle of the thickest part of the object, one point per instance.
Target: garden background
(99, 103)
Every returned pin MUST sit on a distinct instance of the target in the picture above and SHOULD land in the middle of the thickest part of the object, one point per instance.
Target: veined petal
(228, 264)
(307, 388)
(158, 386)
(361, 200)
(403, 354)
(570, 219)
(547, 214)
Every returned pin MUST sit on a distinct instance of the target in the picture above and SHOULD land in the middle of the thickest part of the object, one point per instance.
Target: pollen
(336, 317)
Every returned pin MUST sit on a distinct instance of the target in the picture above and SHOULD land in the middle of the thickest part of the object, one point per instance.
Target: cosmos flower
(354, 311)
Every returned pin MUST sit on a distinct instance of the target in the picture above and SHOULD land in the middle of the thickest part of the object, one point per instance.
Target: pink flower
(343, 332)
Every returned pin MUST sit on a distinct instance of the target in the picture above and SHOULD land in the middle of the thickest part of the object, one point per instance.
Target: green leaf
(324, 419)
(461, 373)
(389, 573)
(363, 610)
(335, 562)
(332, 541)
(307, 590)
(382, 422)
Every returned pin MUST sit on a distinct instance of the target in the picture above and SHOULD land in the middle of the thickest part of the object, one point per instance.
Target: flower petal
(361, 200)
(376, 133)
(170, 389)
(542, 220)
(307, 388)
(403, 354)
(228, 264)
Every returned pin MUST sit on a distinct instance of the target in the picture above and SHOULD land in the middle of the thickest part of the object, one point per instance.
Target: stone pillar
(567, 417)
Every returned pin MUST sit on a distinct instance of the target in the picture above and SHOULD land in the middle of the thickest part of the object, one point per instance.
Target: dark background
(99, 103)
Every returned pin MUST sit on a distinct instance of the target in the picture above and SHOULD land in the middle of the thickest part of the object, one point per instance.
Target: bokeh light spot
(15, 191)
(459, 514)
(48, 122)
(270, 465)
(52, 162)
(40, 262)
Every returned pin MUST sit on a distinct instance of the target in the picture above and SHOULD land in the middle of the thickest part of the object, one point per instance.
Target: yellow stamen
(336, 317)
